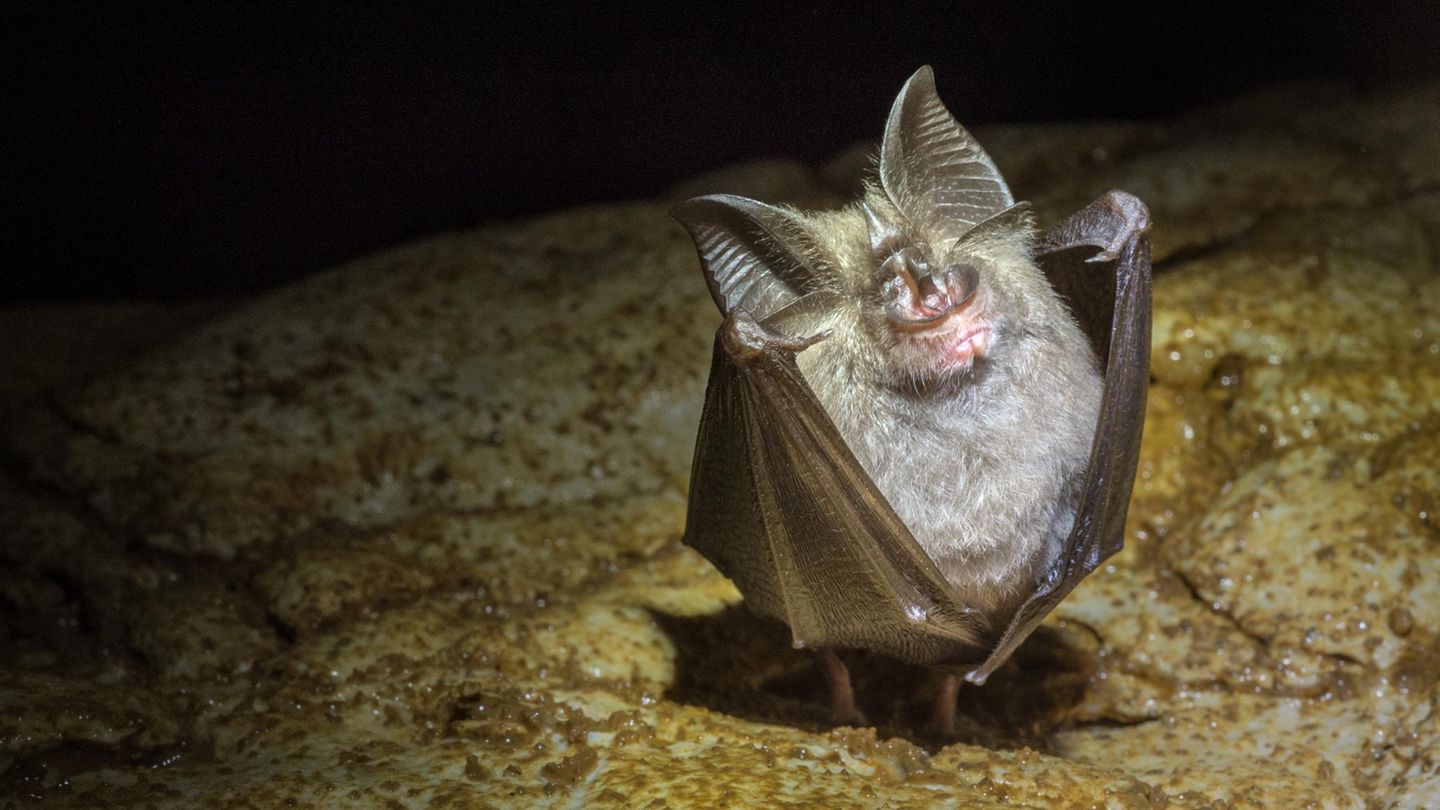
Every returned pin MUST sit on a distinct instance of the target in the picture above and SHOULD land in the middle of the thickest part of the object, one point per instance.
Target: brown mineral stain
(1400, 620)
(571, 769)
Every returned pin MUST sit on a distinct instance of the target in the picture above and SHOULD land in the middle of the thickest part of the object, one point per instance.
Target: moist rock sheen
(404, 534)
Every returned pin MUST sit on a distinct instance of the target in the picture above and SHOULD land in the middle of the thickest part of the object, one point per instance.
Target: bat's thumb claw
(801, 344)
(745, 338)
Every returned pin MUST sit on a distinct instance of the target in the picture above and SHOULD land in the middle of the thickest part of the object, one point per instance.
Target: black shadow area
(737, 663)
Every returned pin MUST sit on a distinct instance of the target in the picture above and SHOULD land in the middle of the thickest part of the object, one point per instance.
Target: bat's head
(947, 274)
(933, 269)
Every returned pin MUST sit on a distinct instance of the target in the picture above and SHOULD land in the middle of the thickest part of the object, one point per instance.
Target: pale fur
(984, 466)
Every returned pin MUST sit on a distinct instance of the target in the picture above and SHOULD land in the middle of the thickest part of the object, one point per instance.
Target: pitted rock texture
(405, 534)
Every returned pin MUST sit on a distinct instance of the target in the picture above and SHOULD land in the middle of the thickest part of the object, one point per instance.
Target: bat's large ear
(1018, 219)
(932, 169)
(750, 253)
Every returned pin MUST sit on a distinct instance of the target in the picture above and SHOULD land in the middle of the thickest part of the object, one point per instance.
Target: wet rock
(1311, 553)
(39, 713)
(537, 364)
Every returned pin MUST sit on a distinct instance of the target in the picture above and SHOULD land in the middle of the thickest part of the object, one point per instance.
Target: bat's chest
(987, 495)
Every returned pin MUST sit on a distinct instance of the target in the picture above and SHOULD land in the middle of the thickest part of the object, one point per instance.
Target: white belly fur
(986, 485)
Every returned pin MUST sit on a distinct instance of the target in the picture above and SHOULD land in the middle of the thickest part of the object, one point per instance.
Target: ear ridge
(750, 253)
(934, 170)
(1004, 225)
(806, 316)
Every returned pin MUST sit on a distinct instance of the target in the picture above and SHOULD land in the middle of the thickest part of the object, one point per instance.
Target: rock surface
(406, 533)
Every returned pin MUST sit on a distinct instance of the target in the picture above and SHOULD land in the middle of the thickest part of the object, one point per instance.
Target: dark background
(174, 153)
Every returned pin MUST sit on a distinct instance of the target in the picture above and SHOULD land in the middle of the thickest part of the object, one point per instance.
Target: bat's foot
(846, 713)
(843, 711)
(942, 719)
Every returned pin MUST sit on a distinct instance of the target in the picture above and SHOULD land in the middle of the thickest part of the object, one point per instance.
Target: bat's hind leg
(843, 711)
(942, 720)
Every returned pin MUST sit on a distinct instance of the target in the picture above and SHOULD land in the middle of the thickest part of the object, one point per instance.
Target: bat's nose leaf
(962, 280)
(934, 293)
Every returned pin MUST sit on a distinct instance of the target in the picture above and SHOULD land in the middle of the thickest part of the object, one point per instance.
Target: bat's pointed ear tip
(707, 207)
(925, 75)
(686, 212)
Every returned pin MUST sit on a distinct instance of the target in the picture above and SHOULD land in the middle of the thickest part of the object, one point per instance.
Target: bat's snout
(922, 299)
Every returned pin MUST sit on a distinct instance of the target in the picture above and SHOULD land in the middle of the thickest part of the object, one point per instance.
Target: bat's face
(935, 318)
(936, 314)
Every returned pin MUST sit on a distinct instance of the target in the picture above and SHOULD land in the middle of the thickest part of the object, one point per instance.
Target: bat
(922, 420)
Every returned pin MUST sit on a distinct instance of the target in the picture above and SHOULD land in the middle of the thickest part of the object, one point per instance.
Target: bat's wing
(1110, 296)
(780, 505)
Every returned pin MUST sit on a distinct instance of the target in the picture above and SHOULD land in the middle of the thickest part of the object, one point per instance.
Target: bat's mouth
(926, 323)
(964, 340)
